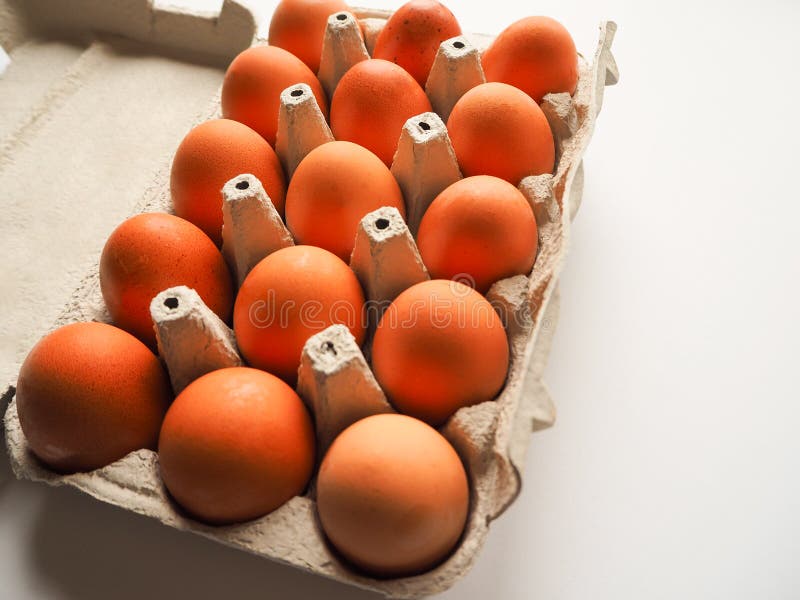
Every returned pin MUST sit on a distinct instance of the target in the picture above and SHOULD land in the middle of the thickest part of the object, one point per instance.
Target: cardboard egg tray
(491, 437)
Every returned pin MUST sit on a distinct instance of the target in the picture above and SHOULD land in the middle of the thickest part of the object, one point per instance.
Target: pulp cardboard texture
(86, 118)
(92, 71)
(192, 339)
(251, 225)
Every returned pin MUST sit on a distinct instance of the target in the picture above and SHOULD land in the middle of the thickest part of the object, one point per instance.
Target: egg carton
(490, 437)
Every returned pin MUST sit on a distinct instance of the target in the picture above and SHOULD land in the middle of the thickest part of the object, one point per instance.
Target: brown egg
(288, 297)
(392, 495)
(498, 130)
(151, 252)
(236, 444)
(439, 346)
(412, 35)
(481, 228)
(299, 27)
(251, 91)
(88, 394)
(334, 186)
(536, 55)
(210, 155)
(371, 104)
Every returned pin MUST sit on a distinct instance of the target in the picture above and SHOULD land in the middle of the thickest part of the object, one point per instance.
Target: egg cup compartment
(386, 260)
(337, 384)
(192, 340)
(251, 226)
(299, 114)
(490, 437)
(342, 47)
(424, 164)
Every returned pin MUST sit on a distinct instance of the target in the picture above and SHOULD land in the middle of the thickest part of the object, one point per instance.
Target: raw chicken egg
(334, 186)
(151, 252)
(482, 227)
(412, 35)
(210, 155)
(288, 297)
(439, 346)
(498, 130)
(236, 444)
(299, 27)
(371, 104)
(536, 55)
(88, 394)
(251, 91)
(392, 495)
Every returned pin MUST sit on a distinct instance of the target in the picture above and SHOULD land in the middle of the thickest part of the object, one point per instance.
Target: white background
(673, 469)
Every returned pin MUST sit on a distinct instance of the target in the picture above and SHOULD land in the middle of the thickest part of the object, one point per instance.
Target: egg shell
(151, 252)
(298, 26)
(253, 84)
(333, 187)
(392, 495)
(235, 445)
(88, 394)
(480, 226)
(536, 55)
(412, 35)
(498, 130)
(371, 104)
(288, 297)
(210, 155)
(439, 346)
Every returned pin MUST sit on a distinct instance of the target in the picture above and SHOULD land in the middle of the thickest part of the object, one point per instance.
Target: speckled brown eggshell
(480, 227)
(413, 34)
(439, 346)
(88, 394)
(298, 26)
(498, 130)
(235, 445)
(210, 155)
(333, 188)
(151, 252)
(288, 297)
(251, 90)
(392, 495)
(371, 104)
(536, 55)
